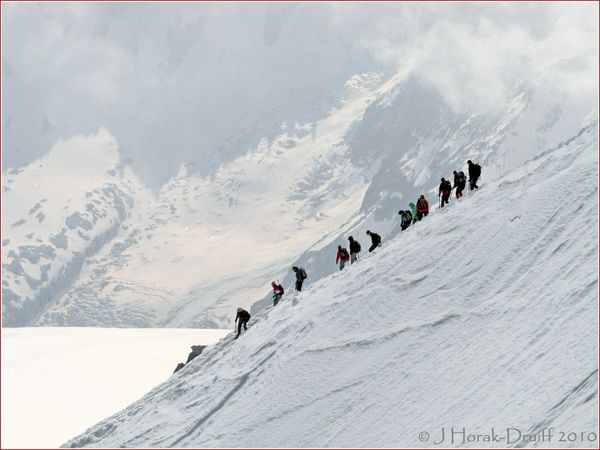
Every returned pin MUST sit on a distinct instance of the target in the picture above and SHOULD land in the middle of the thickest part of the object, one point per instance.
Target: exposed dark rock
(76, 220)
(60, 240)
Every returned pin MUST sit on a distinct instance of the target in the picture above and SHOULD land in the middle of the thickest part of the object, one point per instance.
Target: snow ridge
(483, 313)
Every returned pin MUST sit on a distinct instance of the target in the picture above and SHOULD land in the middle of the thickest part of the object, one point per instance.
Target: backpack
(303, 273)
(476, 170)
(407, 216)
(344, 254)
(461, 178)
(447, 186)
(376, 238)
(357, 247)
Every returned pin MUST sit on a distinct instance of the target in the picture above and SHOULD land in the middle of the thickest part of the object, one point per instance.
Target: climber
(375, 240)
(406, 217)
(243, 316)
(445, 190)
(342, 257)
(474, 174)
(300, 277)
(422, 208)
(413, 210)
(460, 181)
(277, 292)
(354, 250)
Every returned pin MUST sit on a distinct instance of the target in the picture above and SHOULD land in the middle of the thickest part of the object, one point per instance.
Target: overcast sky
(203, 82)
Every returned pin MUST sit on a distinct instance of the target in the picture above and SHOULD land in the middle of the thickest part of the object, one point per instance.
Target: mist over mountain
(204, 83)
(198, 83)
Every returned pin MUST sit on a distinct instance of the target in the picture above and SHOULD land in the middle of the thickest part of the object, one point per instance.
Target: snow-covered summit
(482, 315)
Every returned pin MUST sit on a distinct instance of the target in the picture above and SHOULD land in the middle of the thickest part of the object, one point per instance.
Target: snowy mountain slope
(411, 135)
(56, 213)
(189, 256)
(483, 315)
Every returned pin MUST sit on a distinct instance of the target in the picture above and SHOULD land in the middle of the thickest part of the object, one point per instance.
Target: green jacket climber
(413, 209)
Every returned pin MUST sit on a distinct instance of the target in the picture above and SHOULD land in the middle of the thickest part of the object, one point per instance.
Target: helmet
(469, 162)
(273, 284)
(368, 231)
(350, 238)
(454, 172)
(295, 269)
(339, 247)
(442, 179)
(401, 211)
(239, 310)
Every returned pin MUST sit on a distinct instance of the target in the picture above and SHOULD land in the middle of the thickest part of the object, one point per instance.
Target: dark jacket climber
(375, 240)
(277, 292)
(422, 207)
(474, 174)
(242, 318)
(300, 277)
(406, 219)
(354, 249)
(460, 181)
(444, 191)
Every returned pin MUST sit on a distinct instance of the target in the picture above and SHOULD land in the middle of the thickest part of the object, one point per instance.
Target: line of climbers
(343, 256)
(408, 217)
(421, 209)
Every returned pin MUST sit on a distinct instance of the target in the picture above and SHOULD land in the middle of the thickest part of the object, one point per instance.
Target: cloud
(173, 82)
(204, 82)
(475, 54)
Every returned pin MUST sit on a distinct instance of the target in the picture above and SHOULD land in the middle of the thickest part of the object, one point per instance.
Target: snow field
(482, 315)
